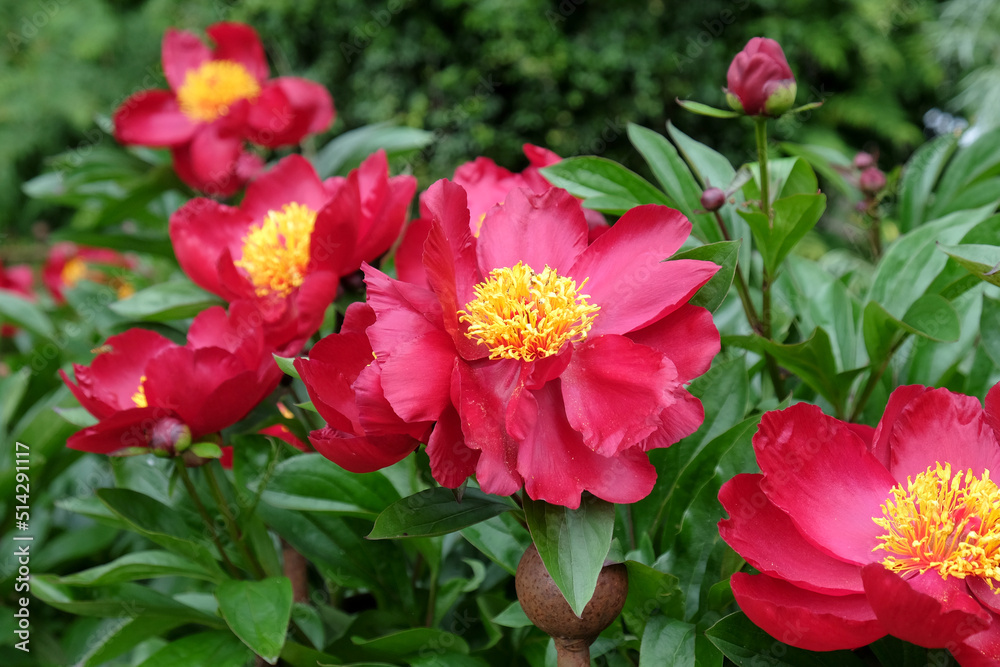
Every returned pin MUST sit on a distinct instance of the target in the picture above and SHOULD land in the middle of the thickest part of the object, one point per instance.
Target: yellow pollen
(276, 252)
(947, 524)
(124, 290)
(139, 397)
(520, 314)
(73, 271)
(209, 91)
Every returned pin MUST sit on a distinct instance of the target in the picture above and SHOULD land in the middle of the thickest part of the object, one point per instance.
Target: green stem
(873, 380)
(205, 516)
(230, 522)
(760, 131)
(741, 285)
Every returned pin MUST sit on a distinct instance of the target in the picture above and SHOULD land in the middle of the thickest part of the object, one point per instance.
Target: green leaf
(919, 175)
(15, 309)
(709, 166)
(931, 317)
(650, 593)
(313, 483)
(989, 329)
(705, 110)
(746, 644)
(981, 261)
(258, 613)
(573, 544)
(604, 185)
(513, 616)
(146, 243)
(411, 642)
(349, 150)
(501, 539)
(287, 366)
(175, 300)
(912, 262)
(971, 163)
(793, 217)
(114, 636)
(723, 253)
(812, 360)
(205, 649)
(667, 642)
(140, 565)
(206, 450)
(158, 522)
(76, 416)
(128, 599)
(435, 511)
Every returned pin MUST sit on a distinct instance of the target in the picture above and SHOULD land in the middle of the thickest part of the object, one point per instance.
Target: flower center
(208, 92)
(139, 397)
(520, 314)
(73, 271)
(949, 524)
(276, 252)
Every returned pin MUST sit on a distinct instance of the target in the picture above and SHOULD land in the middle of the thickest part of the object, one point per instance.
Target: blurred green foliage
(485, 76)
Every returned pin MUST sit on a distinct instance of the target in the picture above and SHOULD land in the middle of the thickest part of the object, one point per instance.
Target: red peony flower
(486, 185)
(18, 280)
(290, 240)
(219, 98)
(541, 361)
(150, 393)
(68, 264)
(856, 540)
(344, 382)
(760, 81)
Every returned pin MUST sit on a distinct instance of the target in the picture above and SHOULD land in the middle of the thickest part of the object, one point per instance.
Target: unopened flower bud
(872, 181)
(863, 160)
(713, 199)
(169, 437)
(760, 82)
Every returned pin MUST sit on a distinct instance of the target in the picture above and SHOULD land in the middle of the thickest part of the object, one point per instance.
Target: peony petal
(614, 391)
(822, 475)
(152, 118)
(182, 52)
(557, 466)
(416, 376)
(329, 388)
(184, 166)
(200, 232)
(769, 541)
(988, 597)
(487, 184)
(114, 377)
(804, 619)
(239, 43)
(684, 416)
(939, 425)
(288, 110)
(125, 429)
(897, 401)
(538, 230)
(451, 461)
(376, 414)
(927, 609)
(687, 336)
(409, 254)
(981, 649)
(292, 179)
(481, 392)
(215, 150)
(361, 454)
(403, 311)
(627, 277)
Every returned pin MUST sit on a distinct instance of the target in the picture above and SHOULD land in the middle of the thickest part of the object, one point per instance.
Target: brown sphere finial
(546, 607)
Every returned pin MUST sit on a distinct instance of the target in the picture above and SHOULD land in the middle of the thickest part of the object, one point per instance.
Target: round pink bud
(760, 82)
(872, 181)
(863, 160)
(713, 199)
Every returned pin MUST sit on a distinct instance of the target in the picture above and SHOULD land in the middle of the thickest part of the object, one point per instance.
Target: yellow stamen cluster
(73, 271)
(139, 397)
(948, 524)
(276, 252)
(520, 314)
(209, 91)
